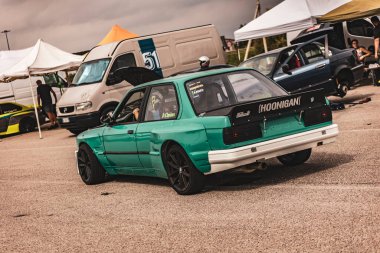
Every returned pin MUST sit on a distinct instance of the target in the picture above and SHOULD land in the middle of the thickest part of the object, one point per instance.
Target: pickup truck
(307, 66)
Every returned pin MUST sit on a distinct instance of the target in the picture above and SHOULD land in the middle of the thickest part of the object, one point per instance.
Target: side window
(9, 108)
(125, 60)
(124, 113)
(313, 53)
(162, 103)
(360, 27)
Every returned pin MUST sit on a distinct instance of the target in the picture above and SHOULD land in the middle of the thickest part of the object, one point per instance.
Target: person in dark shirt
(43, 94)
(376, 35)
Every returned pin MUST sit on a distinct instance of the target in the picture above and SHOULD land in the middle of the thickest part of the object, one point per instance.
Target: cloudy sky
(77, 25)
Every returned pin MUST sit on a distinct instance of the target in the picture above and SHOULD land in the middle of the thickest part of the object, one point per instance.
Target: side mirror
(285, 68)
(113, 78)
(106, 119)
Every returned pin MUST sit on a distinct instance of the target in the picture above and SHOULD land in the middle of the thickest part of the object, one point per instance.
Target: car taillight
(241, 133)
(317, 115)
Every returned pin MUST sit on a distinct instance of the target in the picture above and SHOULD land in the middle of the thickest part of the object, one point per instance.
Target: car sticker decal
(150, 57)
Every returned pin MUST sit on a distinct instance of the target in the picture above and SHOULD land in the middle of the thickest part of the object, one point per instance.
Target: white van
(94, 92)
(344, 32)
(18, 91)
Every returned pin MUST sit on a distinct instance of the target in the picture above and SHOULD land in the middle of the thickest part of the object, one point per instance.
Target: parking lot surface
(330, 204)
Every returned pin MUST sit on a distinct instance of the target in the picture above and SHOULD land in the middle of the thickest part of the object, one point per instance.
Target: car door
(161, 112)
(119, 136)
(314, 72)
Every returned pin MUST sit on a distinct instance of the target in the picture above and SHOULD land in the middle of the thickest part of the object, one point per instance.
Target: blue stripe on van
(150, 57)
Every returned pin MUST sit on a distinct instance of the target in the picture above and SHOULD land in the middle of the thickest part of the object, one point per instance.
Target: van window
(91, 72)
(125, 60)
(360, 27)
(162, 103)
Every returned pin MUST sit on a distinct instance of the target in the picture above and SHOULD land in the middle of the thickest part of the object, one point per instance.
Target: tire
(27, 125)
(342, 86)
(105, 112)
(182, 174)
(76, 131)
(295, 158)
(90, 170)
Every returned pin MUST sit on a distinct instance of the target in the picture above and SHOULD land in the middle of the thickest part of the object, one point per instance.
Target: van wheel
(295, 158)
(106, 111)
(27, 125)
(182, 174)
(90, 170)
(76, 131)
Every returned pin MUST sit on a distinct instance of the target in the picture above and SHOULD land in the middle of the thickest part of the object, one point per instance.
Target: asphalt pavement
(329, 204)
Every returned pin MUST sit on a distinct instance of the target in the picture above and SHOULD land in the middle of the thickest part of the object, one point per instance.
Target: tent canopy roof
(117, 34)
(289, 15)
(353, 10)
(42, 58)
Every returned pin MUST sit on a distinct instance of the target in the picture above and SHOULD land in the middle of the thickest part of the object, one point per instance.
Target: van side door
(116, 90)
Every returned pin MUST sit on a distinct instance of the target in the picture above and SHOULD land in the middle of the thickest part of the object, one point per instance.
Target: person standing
(376, 36)
(43, 94)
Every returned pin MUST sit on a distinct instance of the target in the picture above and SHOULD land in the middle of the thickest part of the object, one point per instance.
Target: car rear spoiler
(275, 107)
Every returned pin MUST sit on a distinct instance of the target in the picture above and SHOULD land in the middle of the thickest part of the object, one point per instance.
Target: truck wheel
(342, 86)
(295, 158)
(90, 170)
(106, 111)
(27, 125)
(76, 131)
(183, 176)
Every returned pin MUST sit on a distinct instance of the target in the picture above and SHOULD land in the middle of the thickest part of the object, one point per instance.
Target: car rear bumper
(83, 121)
(221, 160)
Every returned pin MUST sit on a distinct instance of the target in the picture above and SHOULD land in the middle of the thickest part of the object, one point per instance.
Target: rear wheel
(90, 170)
(342, 86)
(295, 158)
(183, 176)
(27, 125)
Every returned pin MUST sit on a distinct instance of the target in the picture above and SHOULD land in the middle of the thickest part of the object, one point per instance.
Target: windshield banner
(257, 111)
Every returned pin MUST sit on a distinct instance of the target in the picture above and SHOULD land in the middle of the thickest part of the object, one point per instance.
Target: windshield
(91, 72)
(264, 64)
(223, 90)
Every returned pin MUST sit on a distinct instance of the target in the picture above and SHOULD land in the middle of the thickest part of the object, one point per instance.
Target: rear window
(228, 89)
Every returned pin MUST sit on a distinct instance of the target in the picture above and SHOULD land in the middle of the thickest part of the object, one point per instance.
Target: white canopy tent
(290, 15)
(10, 58)
(42, 58)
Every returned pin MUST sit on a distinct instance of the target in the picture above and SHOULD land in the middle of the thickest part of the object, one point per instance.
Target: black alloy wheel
(295, 158)
(183, 176)
(89, 167)
(27, 125)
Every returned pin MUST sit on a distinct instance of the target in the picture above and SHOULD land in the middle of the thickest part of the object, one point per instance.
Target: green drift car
(191, 125)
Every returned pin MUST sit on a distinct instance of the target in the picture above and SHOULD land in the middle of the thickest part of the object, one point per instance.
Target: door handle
(321, 66)
(130, 132)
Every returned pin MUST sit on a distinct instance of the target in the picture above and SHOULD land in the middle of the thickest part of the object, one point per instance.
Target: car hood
(78, 94)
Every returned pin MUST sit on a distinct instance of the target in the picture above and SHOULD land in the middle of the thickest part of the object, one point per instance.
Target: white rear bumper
(221, 160)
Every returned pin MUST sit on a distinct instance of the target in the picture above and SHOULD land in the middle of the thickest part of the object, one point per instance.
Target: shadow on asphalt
(276, 173)
(350, 99)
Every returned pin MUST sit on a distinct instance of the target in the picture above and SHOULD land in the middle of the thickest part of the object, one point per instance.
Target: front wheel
(90, 170)
(183, 176)
(295, 158)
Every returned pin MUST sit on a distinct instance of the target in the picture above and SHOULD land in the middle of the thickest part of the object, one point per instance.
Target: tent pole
(265, 44)
(247, 50)
(35, 105)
